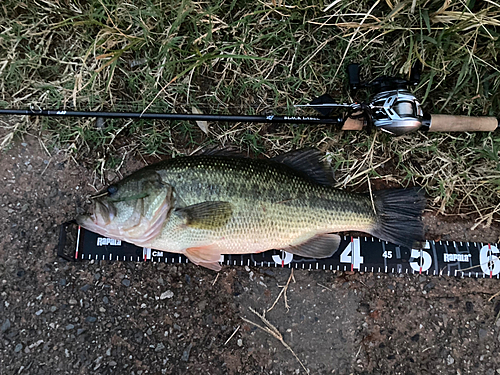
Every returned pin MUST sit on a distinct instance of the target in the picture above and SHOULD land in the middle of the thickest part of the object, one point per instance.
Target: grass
(235, 56)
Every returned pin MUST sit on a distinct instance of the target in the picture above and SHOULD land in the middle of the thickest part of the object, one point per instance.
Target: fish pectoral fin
(206, 215)
(205, 256)
(319, 246)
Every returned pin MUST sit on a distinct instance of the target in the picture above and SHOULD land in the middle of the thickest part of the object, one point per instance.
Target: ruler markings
(359, 254)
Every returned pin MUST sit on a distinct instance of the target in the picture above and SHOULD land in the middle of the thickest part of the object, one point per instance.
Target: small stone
(268, 272)
(90, 319)
(159, 347)
(149, 332)
(429, 286)
(105, 300)
(482, 333)
(239, 342)
(53, 308)
(85, 288)
(18, 348)
(108, 352)
(70, 326)
(113, 363)
(450, 360)
(202, 305)
(138, 337)
(185, 354)
(79, 331)
(102, 309)
(73, 301)
(5, 326)
(39, 312)
(167, 294)
(97, 276)
(126, 282)
(62, 282)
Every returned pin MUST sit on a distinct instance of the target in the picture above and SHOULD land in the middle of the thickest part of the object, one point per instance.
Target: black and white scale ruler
(363, 254)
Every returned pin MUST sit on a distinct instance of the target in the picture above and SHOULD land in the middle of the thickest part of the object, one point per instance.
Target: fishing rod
(393, 109)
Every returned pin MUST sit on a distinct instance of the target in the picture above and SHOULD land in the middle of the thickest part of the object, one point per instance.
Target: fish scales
(273, 205)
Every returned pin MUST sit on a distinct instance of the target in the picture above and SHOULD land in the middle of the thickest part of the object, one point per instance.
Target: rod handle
(450, 123)
(353, 123)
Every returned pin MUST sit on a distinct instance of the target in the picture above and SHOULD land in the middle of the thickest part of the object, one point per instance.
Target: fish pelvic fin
(206, 215)
(399, 216)
(205, 256)
(319, 246)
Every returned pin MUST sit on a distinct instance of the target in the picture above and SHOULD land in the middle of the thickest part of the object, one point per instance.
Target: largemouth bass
(207, 205)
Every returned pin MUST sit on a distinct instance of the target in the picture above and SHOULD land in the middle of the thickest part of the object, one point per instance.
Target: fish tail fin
(399, 216)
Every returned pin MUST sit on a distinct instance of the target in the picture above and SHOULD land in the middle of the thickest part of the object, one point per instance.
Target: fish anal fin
(319, 246)
(205, 256)
(308, 162)
(206, 215)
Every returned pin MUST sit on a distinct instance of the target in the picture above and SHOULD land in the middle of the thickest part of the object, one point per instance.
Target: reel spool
(396, 112)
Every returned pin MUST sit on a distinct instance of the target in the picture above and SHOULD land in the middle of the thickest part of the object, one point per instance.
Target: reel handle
(451, 123)
(353, 75)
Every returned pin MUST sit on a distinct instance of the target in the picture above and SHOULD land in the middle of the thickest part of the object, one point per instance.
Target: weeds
(261, 57)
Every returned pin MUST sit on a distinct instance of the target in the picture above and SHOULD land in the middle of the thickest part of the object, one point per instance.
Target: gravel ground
(123, 318)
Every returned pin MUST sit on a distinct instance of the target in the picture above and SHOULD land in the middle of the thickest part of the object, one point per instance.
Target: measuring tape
(363, 254)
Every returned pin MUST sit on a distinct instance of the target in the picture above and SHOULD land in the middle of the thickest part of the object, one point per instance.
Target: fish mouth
(100, 216)
(141, 231)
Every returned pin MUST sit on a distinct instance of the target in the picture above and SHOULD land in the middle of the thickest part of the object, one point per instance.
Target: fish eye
(112, 189)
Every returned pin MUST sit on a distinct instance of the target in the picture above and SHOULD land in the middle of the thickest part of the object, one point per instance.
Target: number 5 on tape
(424, 259)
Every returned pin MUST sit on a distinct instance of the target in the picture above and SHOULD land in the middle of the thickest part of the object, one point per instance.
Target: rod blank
(178, 116)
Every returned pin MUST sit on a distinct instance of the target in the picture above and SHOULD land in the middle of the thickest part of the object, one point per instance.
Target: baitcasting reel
(393, 109)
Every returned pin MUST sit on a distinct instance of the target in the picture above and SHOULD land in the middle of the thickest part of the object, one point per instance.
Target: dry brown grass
(261, 57)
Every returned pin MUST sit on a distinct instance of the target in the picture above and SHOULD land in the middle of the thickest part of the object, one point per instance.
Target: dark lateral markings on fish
(363, 254)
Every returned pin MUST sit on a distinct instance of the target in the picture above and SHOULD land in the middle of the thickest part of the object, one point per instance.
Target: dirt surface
(115, 318)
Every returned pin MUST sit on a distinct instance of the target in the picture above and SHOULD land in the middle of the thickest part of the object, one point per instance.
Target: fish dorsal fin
(225, 151)
(206, 215)
(319, 246)
(308, 161)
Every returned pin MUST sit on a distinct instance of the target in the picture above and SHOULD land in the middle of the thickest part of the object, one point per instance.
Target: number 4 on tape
(352, 254)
